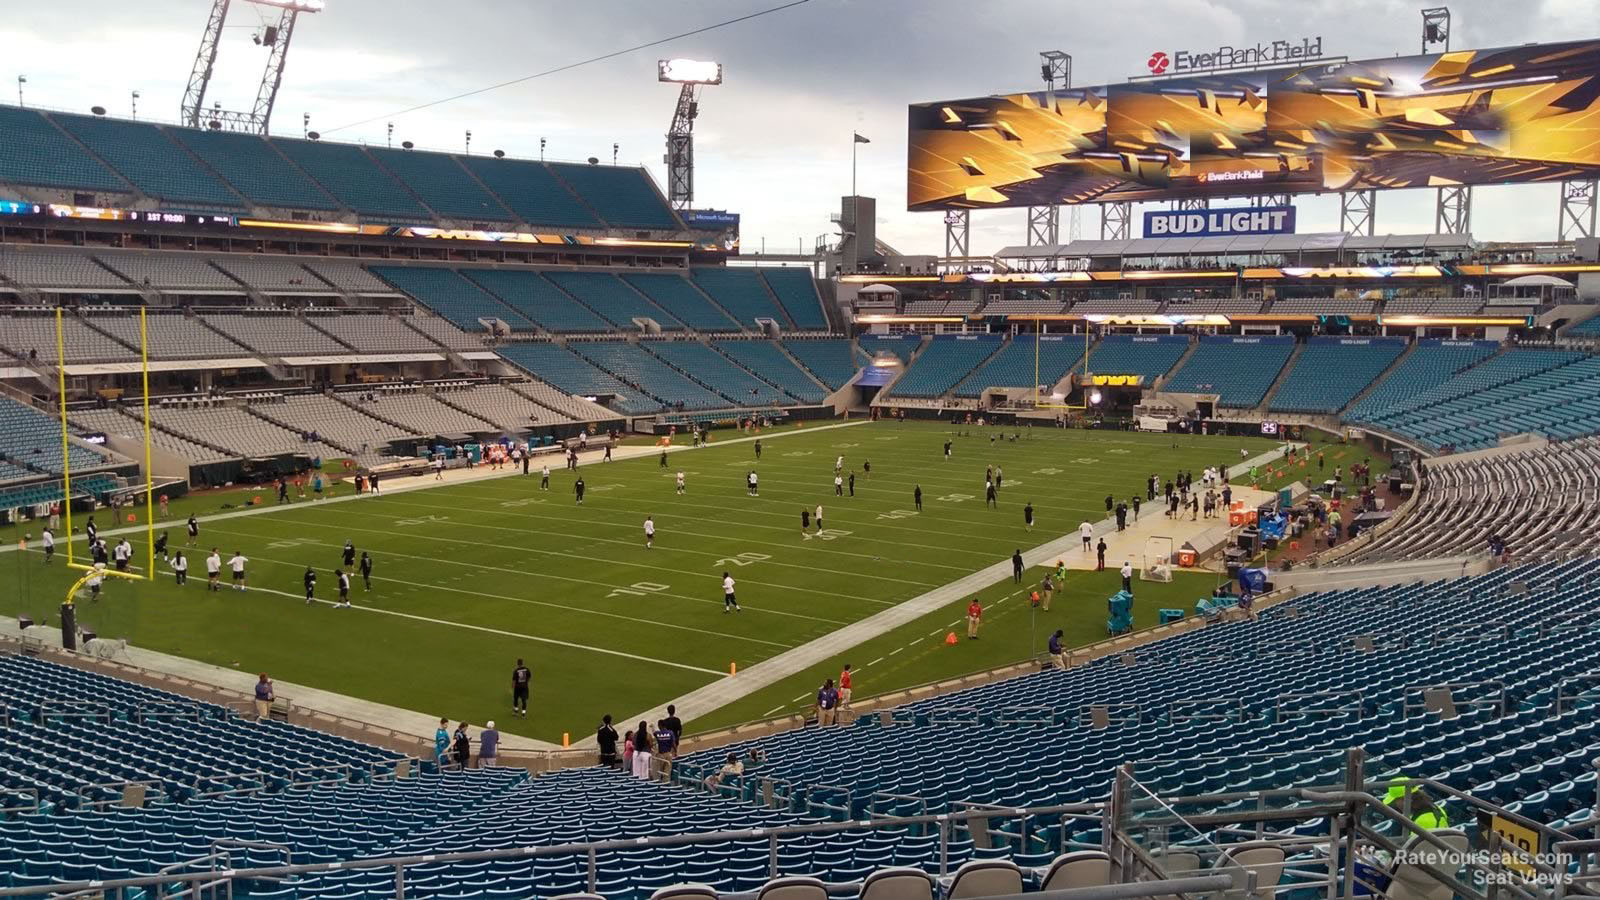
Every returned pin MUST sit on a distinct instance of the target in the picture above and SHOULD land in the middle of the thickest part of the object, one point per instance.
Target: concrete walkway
(1068, 548)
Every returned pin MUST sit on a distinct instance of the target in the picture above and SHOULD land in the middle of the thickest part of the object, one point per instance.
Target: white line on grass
(664, 532)
(550, 575)
(708, 576)
(487, 630)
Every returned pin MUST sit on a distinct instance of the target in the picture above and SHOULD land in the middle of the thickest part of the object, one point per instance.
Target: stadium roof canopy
(1330, 241)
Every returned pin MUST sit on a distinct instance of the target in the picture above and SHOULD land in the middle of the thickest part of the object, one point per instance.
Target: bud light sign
(1219, 222)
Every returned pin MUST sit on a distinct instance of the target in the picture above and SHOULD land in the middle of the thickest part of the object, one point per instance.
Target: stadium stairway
(1283, 375)
(833, 362)
(1398, 362)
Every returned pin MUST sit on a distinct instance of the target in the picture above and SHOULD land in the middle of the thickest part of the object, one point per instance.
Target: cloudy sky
(773, 142)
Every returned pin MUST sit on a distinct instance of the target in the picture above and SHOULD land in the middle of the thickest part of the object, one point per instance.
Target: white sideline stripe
(470, 627)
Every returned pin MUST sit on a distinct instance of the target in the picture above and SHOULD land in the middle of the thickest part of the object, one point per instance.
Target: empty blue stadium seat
(943, 364)
(36, 152)
(1149, 356)
(622, 196)
(832, 360)
(901, 346)
(767, 359)
(678, 296)
(613, 298)
(649, 374)
(254, 168)
(537, 299)
(741, 292)
(156, 165)
(797, 292)
(535, 195)
(1025, 362)
(351, 176)
(441, 183)
(576, 375)
(1430, 363)
(452, 296)
(1237, 369)
(718, 372)
(1331, 371)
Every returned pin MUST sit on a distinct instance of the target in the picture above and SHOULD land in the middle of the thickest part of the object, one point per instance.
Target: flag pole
(853, 143)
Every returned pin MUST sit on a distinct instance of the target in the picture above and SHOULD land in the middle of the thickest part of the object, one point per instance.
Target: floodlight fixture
(689, 71)
(306, 6)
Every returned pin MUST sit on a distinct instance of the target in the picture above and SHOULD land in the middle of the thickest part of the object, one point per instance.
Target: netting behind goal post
(1158, 559)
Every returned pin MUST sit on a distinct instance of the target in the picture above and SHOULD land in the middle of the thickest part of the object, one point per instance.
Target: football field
(471, 575)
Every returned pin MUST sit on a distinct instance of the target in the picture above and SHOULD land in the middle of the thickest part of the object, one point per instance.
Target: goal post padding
(1158, 559)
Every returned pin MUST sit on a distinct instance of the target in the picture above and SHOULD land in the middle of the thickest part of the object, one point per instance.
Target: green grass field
(470, 576)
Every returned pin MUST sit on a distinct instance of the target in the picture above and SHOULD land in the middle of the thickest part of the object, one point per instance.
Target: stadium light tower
(274, 37)
(1044, 222)
(691, 74)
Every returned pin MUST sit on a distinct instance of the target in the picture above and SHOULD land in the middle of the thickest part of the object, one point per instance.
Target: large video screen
(1518, 114)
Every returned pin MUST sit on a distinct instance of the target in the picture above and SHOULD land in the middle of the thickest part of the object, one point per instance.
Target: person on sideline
(974, 619)
(845, 681)
(1016, 566)
(264, 697)
(520, 677)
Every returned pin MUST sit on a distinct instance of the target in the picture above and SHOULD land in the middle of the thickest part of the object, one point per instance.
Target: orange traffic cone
(130, 517)
(950, 638)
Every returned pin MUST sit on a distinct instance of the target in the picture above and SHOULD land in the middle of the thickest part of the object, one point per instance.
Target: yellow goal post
(66, 460)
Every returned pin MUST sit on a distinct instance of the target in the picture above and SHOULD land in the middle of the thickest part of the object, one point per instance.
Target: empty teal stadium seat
(797, 292)
(679, 296)
(531, 192)
(742, 292)
(831, 360)
(441, 183)
(614, 299)
(539, 301)
(450, 295)
(623, 197)
(254, 168)
(943, 364)
(1239, 370)
(352, 177)
(1331, 371)
(1149, 356)
(36, 152)
(156, 165)
(1024, 363)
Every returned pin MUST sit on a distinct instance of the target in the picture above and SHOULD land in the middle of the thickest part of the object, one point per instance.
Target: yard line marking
(550, 575)
(632, 542)
(771, 711)
(895, 650)
(915, 642)
(874, 662)
(485, 629)
(594, 559)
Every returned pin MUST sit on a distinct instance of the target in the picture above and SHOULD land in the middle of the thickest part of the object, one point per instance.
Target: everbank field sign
(1280, 52)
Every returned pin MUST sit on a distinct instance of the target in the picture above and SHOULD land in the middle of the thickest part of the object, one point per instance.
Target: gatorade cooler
(1186, 557)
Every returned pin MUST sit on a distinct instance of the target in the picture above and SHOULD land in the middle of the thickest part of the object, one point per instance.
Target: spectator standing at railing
(264, 697)
(827, 703)
(463, 746)
(605, 737)
(488, 745)
(642, 754)
(441, 743)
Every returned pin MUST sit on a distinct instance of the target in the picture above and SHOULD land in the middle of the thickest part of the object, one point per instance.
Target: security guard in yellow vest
(1412, 801)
